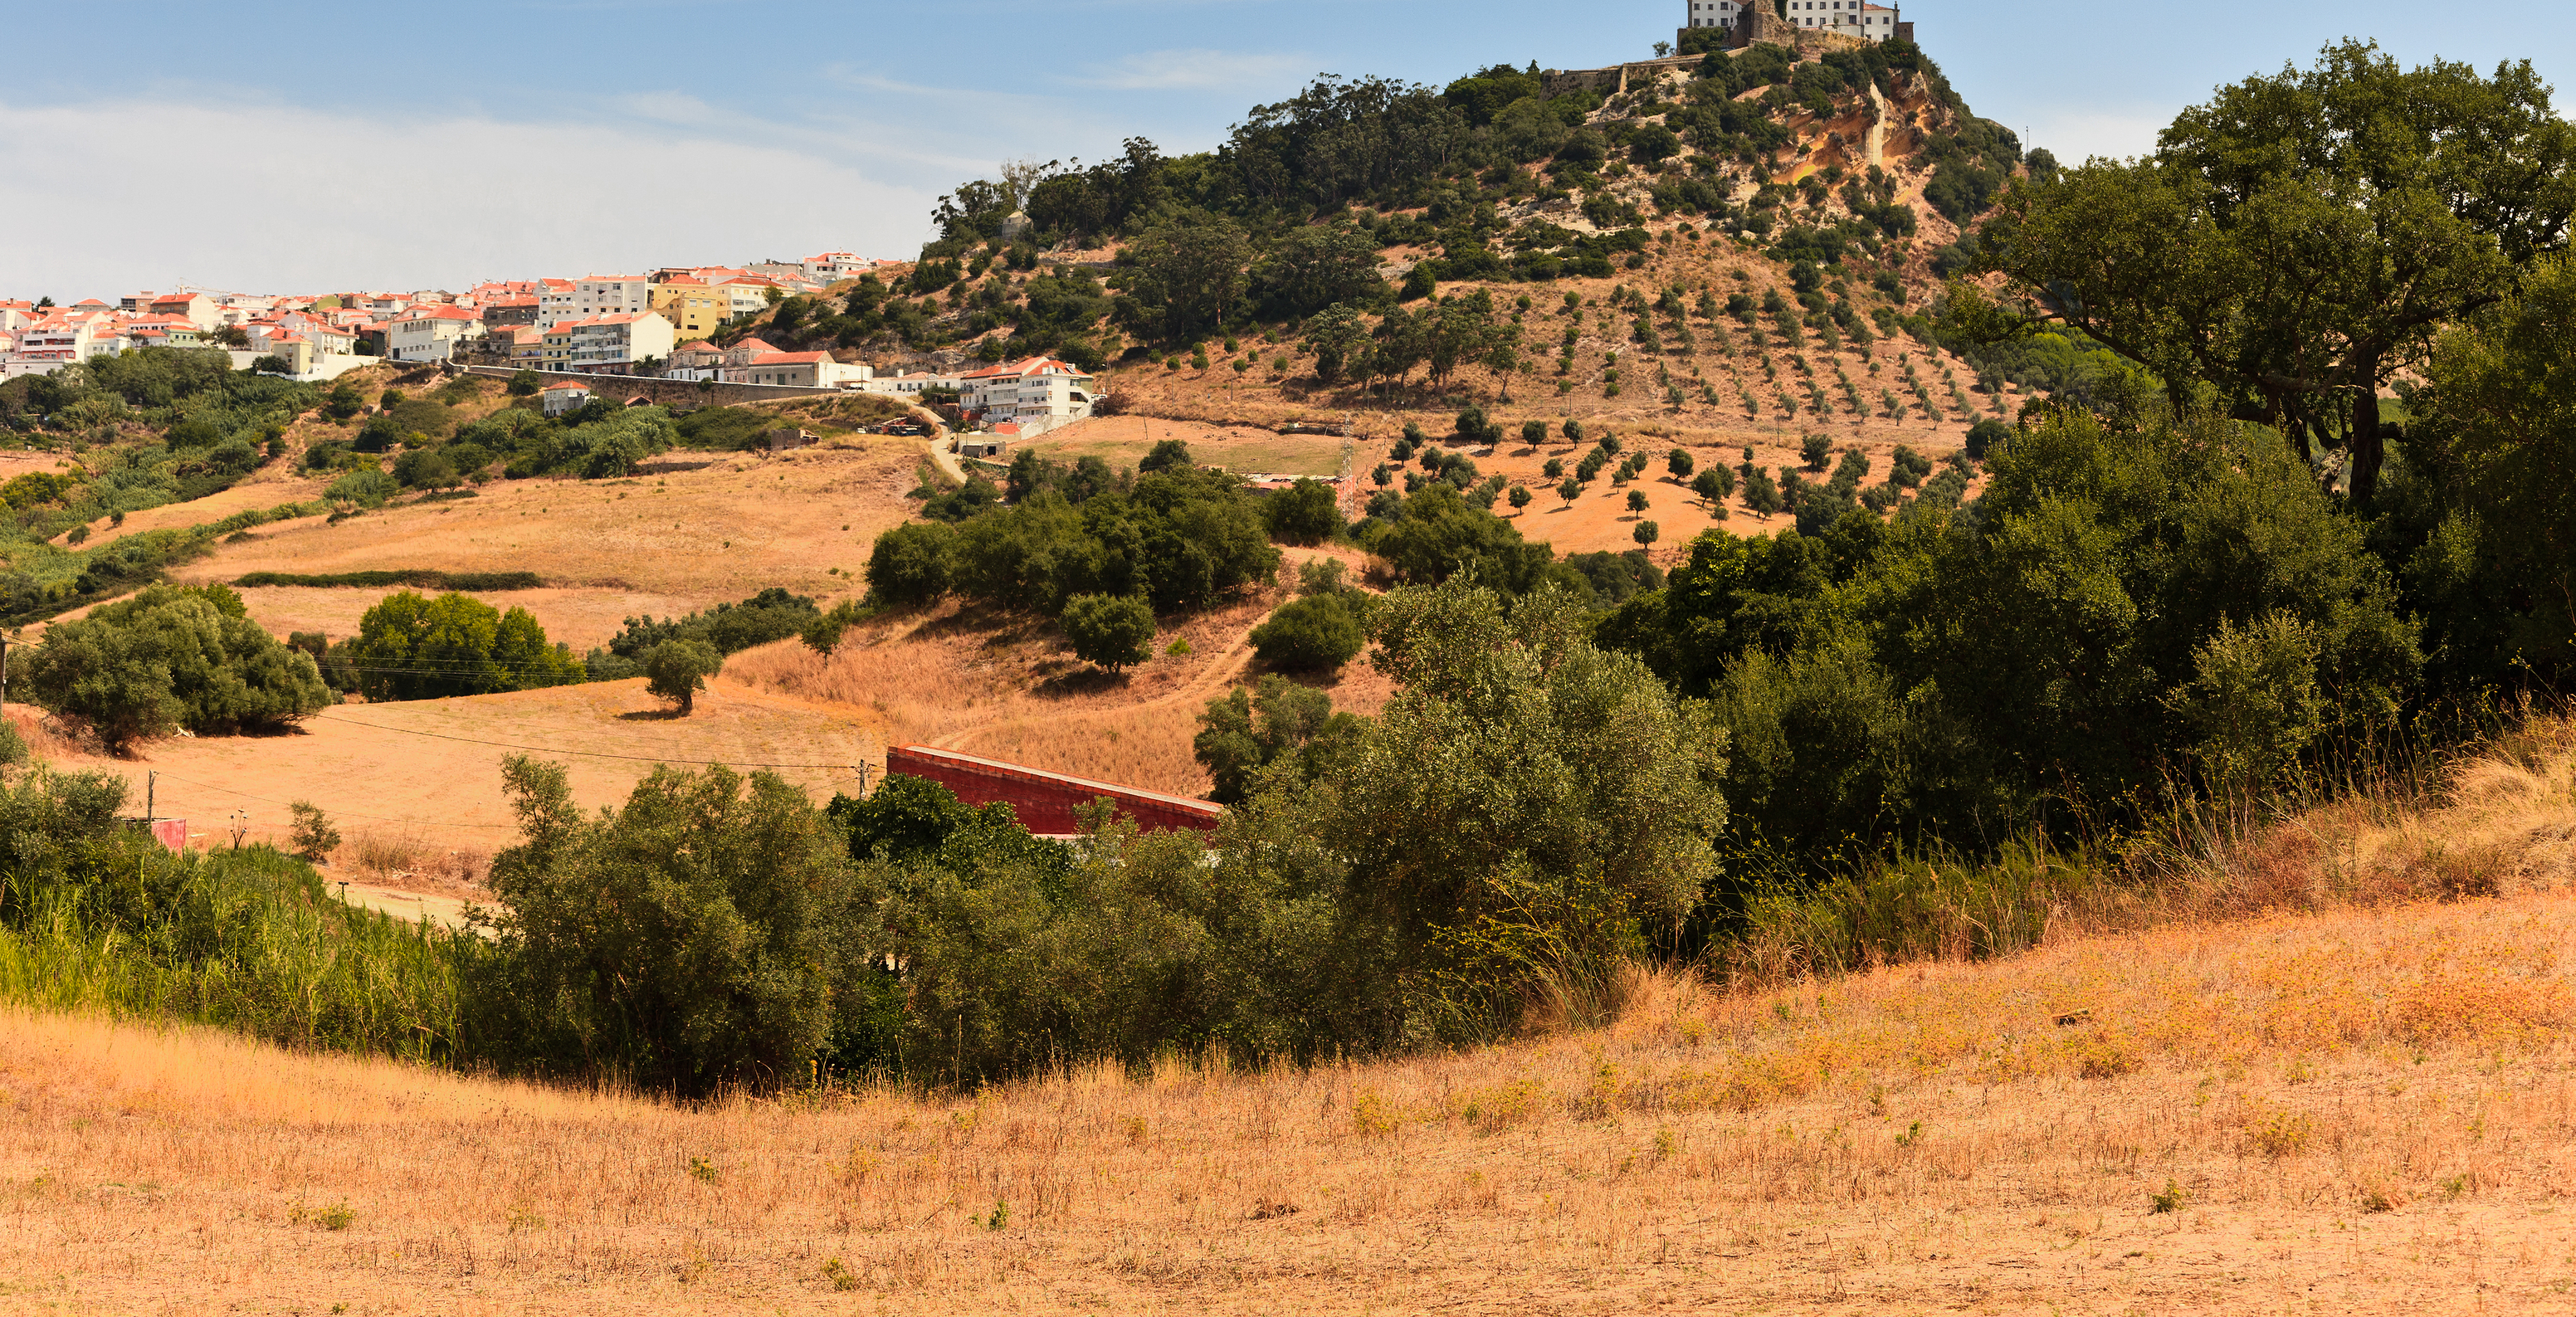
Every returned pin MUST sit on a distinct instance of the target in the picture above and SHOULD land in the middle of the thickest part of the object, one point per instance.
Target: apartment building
(692, 305)
(1021, 391)
(429, 333)
(610, 344)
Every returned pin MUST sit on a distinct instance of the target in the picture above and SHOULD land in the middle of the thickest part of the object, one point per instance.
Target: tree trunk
(2369, 448)
(688, 702)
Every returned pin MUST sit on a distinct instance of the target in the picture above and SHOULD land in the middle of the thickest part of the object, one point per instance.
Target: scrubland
(2327, 1072)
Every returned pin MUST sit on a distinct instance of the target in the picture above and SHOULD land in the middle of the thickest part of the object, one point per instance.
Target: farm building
(1045, 802)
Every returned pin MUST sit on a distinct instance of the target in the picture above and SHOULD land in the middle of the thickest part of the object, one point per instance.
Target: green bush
(172, 657)
(1109, 631)
(1318, 632)
(425, 468)
(676, 670)
(98, 917)
(1308, 512)
(410, 647)
(771, 615)
(1986, 435)
(367, 488)
(704, 935)
(1243, 734)
(912, 565)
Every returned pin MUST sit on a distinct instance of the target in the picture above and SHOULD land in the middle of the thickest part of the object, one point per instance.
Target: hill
(2353, 1107)
(1725, 258)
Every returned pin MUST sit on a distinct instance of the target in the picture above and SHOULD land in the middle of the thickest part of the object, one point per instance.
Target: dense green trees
(1932, 679)
(912, 564)
(1180, 538)
(1280, 723)
(2296, 243)
(410, 647)
(771, 615)
(700, 936)
(172, 657)
(2497, 424)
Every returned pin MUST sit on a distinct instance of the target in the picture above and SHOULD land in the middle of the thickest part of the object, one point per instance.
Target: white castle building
(1853, 18)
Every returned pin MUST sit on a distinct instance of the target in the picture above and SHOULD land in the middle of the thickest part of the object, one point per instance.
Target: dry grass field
(1245, 450)
(415, 787)
(1008, 688)
(706, 526)
(2325, 1110)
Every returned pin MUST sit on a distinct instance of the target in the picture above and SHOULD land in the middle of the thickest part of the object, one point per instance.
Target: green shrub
(1109, 631)
(425, 468)
(1308, 512)
(169, 658)
(1318, 632)
(676, 670)
(368, 488)
(313, 835)
(410, 647)
(1241, 735)
(771, 615)
(706, 934)
(1987, 435)
(912, 565)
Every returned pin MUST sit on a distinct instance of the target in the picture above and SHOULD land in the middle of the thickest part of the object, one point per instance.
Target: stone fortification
(1759, 23)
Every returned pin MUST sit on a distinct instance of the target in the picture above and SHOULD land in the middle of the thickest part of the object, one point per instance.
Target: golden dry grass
(1007, 687)
(2348, 1110)
(424, 776)
(701, 527)
(2358, 1111)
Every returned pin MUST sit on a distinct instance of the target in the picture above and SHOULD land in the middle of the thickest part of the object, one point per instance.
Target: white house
(1856, 18)
(699, 360)
(611, 294)
(911, 385)
(554, 302)
(563, 397)
(1039, 389)
(832, 267)
(803, 370)
(615, 344)
(429, 333)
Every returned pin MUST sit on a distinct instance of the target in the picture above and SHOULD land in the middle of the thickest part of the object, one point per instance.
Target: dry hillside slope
(2355, 1109)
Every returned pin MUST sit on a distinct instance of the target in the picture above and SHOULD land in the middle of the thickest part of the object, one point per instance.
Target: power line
(591, 754)
(372, 818)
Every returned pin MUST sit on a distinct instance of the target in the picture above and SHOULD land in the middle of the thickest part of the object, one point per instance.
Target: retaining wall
(1045, 802)
(667, 393)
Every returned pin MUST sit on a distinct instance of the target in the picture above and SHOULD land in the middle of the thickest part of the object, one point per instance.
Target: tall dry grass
(2364, 1108)
(2495, 818)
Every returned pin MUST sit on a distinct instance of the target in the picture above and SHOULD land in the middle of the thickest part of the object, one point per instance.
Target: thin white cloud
(103, 198)
(2076, 136)
(1195, 70)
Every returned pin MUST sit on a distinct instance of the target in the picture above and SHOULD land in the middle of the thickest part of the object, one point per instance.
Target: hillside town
(656, 325)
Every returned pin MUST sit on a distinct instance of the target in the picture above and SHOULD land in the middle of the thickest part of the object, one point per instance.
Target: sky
(145, 143)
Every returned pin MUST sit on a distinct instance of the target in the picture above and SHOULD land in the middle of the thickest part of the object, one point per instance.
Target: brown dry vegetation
(2360, 1108)
(1007, 687)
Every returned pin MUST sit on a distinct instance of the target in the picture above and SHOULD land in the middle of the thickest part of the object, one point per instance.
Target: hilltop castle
(1751, 22)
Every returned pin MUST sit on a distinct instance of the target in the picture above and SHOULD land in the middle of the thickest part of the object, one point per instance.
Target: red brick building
(1045, 802)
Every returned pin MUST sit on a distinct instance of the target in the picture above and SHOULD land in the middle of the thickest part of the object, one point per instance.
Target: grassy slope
(2351, 1109)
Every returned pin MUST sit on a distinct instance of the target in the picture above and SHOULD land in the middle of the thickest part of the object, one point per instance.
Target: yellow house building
(694, 307)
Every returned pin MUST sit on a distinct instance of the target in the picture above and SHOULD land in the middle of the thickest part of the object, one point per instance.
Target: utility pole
(151, 792)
